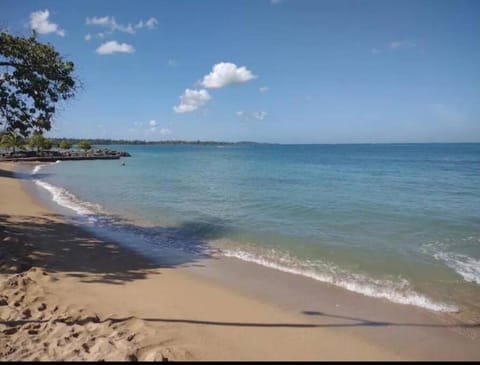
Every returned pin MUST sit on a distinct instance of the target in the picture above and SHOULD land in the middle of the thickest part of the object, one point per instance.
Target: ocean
(394, 221)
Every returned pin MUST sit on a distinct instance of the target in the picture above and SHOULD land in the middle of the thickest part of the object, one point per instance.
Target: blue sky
(269, 71)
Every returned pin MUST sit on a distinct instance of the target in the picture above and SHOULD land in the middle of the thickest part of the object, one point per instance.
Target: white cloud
(259, 115)
(165, 131)
(151, 23)
(88, 37)
(106, 20)
(394, 45)
(111, 47)
(161, 131)
(251, 115)
(263, 89)
(401, 44)
(225, 73)
(110, 23)
(39, 23)
(192, 100)
(148, 128)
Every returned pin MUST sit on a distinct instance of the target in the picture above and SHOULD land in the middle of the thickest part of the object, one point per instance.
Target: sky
(280, 71)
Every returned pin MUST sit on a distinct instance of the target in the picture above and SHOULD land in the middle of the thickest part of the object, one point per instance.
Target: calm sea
(395, 221)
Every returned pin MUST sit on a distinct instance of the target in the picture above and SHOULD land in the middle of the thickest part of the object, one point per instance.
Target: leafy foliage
(64, 145)
(84, 145)
(34, 79)
(38, 141)
(12, 140)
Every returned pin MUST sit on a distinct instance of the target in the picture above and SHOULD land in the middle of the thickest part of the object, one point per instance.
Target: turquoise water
(400, 222)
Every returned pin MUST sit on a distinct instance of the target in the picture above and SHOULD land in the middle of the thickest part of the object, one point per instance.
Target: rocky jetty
(64, 155)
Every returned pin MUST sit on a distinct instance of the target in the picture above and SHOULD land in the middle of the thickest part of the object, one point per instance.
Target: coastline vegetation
(34, 79)
(101, 141)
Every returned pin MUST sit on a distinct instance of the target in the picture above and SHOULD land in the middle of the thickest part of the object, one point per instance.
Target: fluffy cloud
(251, 115)
(115, 47)
(225, 73)
(149, 24)
(39, 23)
(401, 44)
(192, 100)
(152, 123)
(110, 23)
(106, 20)
(88, 37)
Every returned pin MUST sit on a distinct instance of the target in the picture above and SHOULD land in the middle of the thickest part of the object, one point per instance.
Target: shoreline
(245, 312)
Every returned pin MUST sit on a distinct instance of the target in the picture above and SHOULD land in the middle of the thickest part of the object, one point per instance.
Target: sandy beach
(68, 295)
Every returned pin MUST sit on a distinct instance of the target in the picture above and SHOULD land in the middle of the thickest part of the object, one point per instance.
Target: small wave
(66, 199)
(467, 267)
(464, 265)
(397, 292)
(37, 168)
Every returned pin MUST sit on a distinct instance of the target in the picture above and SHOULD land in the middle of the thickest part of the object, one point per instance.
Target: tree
(47, 144)
(34, 80)
(12, 140)
(37, 140)
(84, 145)
(64, 145)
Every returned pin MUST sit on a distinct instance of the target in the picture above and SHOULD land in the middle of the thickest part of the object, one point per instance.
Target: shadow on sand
(357, 322)
(57, 246)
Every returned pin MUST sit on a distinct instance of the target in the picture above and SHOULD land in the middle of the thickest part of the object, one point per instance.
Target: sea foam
(465, 266)
(394, 291)
(65, 198)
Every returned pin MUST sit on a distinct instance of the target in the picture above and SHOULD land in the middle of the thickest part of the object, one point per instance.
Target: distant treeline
(99, 141)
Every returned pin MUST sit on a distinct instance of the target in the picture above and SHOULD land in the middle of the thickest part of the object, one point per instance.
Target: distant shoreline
(101, 141)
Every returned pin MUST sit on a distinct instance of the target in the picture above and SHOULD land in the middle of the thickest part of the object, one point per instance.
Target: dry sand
(67, 295)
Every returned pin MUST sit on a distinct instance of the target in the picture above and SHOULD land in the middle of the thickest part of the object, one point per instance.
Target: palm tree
(37, 140)
(11, 140)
